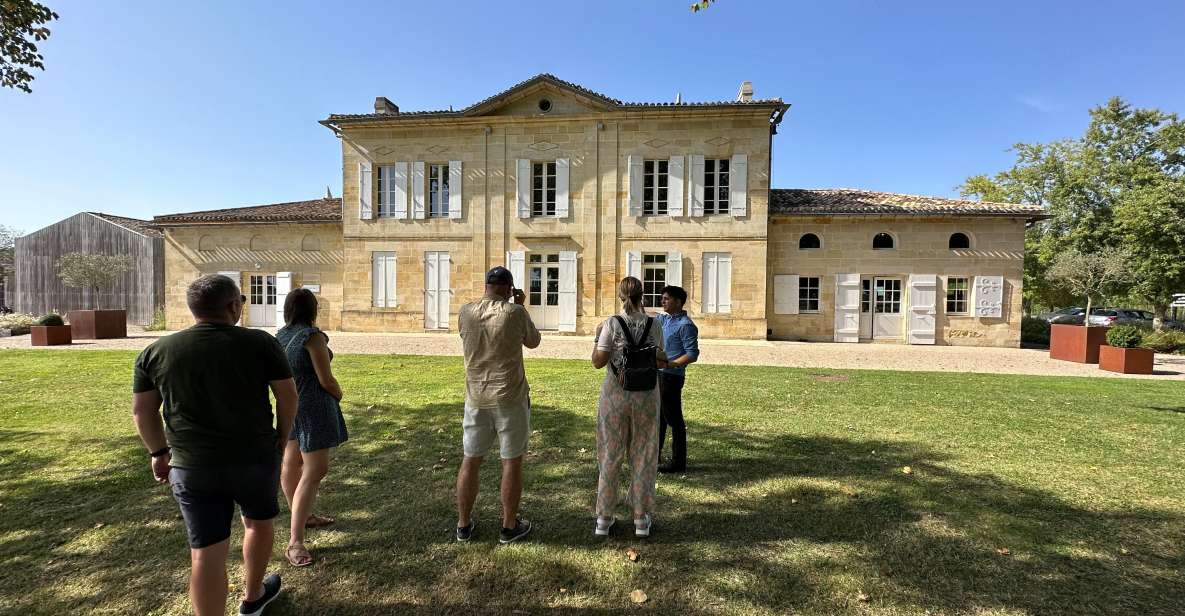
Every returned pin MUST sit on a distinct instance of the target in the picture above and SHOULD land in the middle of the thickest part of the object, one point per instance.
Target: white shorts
(511, 425)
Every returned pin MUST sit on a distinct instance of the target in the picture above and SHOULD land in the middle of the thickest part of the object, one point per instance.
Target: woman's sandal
(302, 556)
(318, 521)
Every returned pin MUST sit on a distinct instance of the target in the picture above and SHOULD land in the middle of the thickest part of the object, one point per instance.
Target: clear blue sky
(157, 107)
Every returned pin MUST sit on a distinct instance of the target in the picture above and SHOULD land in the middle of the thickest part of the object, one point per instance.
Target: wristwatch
(159, 452)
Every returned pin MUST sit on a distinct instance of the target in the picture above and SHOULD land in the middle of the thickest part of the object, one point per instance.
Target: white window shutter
(522, 183)
(724, 283)
(417, 190)
(378, 299)
(847, 308)
(516, 262)
(456, 182)
(389, 286)
(365, 193)
(710, 271)
(989, 296)
(635, 187)
(786, 294)
(675, 268)
(445, 290)
(431, 283)
(561, 188)
(633, 264)
(283, 288)
(738, 182)
(675, 186)
(697, 185)
(567, 291)
(400, 191)
(923, 299)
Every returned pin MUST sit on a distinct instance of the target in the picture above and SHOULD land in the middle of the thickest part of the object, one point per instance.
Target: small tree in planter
(1085, 275)
(1122, 352)
(95, 272)
(50, 330)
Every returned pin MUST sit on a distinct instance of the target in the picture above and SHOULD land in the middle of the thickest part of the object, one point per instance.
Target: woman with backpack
(630, 343)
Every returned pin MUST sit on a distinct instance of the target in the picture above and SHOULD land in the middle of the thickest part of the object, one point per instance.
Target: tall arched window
(206, 243)
(257, 242)
(310, 243)
(882, 241)
(959, 240)
(809, 241)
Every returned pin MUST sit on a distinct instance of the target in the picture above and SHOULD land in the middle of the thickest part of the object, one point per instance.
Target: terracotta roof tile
(143, 227)
(317, 210)
(846, 201)
(609, 102)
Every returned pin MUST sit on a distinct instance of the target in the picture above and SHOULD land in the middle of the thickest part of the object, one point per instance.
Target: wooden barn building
(38, 290)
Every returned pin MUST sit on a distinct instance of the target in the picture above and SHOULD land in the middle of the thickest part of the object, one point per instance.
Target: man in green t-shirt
(217, 446)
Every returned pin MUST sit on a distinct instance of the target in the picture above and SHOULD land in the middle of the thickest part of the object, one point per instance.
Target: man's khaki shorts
(511, 425)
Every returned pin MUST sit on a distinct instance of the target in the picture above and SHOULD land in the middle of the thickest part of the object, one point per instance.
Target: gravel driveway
(988, 360)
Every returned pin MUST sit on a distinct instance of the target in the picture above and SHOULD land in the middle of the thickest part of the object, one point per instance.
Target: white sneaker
(603, 526)
(642, 526)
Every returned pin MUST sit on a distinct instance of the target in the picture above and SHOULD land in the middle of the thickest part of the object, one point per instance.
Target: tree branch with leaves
(92, 272)
(1091, 274)
(22, 26)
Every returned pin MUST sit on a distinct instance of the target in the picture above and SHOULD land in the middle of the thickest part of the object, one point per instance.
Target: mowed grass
(1025, 495)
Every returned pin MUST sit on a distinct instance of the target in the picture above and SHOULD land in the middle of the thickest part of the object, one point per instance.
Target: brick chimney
(745, 93)
(383, 105)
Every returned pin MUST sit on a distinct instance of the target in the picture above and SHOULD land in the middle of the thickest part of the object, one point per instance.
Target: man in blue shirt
(681, 341)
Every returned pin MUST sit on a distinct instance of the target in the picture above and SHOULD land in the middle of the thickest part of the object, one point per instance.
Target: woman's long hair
(300, 308)
(629, 291)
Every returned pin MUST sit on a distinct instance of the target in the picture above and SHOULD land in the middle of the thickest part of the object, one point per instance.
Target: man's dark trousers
(671, 391)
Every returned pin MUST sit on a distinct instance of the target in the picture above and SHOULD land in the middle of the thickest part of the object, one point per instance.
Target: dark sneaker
(465, 533)
(520, 530)
(672, 468)
(271, 590)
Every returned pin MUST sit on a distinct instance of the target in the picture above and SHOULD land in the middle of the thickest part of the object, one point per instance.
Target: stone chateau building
(572, 190)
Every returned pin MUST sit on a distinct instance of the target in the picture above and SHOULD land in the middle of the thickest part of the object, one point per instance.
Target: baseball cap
(499, 275)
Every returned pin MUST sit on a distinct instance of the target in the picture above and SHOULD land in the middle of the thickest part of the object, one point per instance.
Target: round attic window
(544, 105)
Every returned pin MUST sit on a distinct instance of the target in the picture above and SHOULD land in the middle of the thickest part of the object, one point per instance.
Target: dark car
(1066, 316)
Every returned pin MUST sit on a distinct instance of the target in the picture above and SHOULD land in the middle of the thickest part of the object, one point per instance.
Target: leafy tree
(22, 26)
(1090, 274)
(700, 5)
(8, 237)
(1151, 221)
(90, 271)
(1113, 187)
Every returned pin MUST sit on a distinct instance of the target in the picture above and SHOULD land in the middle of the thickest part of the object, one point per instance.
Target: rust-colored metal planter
(1125, 361)
(98, 324)
(1076, 343)
(49, 335)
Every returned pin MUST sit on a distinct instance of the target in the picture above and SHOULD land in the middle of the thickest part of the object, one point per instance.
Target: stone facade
(311, 252)
(599, 227)
(921, 247)
(376, 261)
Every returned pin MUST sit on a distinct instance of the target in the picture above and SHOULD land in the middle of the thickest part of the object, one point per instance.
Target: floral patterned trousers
(627, 427)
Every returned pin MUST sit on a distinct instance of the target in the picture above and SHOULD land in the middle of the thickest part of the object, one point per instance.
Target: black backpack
(638, 369)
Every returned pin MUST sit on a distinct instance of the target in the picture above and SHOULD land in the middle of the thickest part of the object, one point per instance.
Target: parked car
(1120, 316)
(1065, 315)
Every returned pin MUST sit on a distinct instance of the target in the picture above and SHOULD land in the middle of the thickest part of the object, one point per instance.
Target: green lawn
(798, 501)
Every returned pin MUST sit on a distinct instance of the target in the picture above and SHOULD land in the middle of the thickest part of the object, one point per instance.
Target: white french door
(436, 290)
(886, 308)
(543, 290)
(261, 300)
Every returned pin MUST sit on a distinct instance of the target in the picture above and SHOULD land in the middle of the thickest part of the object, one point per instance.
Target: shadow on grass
(766, 523)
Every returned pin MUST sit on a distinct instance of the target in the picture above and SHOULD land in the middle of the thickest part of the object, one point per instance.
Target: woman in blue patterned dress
(319, 422)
